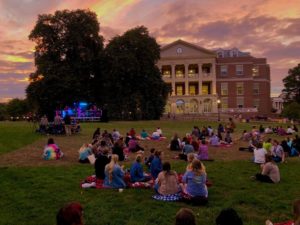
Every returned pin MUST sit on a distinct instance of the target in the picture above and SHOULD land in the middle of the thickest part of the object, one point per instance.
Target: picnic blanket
(167, 198)
(285, 223)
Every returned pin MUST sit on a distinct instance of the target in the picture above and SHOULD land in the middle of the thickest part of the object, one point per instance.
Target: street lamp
(219, 104)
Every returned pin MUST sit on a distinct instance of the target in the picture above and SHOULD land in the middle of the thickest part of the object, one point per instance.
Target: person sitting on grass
(270, 171)
(136, 171)
(156, 164)
(190, 158)
(52, 151)
(114, 174)
(144, 135)
(118, 149)
(84, 152)
(296, 212)
(167, 181)
(134, 146)
(185, 216)
(203, 151)
(268, 145)
(175, 144)
(277, 152)
(195, 181)
(259, 154)
(148, 160)
(228, 138)
(100, 163)
(70, 214)
(228, 217)
(214, 140)
(187, 148)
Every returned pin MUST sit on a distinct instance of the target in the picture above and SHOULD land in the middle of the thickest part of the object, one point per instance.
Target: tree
(68, 48)
(17, 107)
(3, 113)
(292, 84)
(133, 84)
(291, 110)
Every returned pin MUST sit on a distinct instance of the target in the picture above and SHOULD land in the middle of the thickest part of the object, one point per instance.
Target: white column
(173, 79)
(186, 81)
(214, 78)
(200, 77)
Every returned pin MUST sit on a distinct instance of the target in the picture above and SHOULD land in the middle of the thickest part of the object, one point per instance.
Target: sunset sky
(266, 28)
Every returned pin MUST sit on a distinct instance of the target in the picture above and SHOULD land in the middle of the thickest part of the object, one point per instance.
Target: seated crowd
(107, 149)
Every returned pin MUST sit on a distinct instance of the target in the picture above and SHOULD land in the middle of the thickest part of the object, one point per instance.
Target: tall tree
(68, 48)
(292, 84)
(133, 83)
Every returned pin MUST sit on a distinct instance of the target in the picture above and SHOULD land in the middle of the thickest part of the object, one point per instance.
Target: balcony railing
(193, 75)
(238, 110)
(179, 75)
(167, 76)
(206, 74)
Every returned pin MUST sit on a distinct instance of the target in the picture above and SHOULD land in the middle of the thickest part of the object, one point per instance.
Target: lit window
(166, 71)
(240, 88)
(192, 90)
(255, 71)
(206, 89)
(239, 70)
(179, 71)
(256, 88)
(224, 88)
(223, 70)
(179, 89)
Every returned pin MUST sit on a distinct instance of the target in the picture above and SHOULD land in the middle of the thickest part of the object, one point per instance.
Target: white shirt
(260, 155)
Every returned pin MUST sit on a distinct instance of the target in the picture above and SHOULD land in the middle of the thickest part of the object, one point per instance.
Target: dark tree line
(73, 65)
(292, 93)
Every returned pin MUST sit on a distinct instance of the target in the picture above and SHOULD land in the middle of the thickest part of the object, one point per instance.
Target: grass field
(33, 194)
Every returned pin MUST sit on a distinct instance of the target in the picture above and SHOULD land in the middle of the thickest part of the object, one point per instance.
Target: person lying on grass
(114, 174)
(167, 181)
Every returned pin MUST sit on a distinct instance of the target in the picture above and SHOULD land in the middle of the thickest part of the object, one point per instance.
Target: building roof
(179, 41)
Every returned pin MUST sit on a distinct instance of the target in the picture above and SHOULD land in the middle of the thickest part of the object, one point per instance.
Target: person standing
(67, 120)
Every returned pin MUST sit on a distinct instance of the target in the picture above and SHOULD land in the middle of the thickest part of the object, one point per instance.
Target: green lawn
(14, 135)
(33, 195)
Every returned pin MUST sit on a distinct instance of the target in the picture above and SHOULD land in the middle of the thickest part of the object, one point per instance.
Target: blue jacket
(155, 167)
(117, 178)
(196, 185)
(136, 172)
